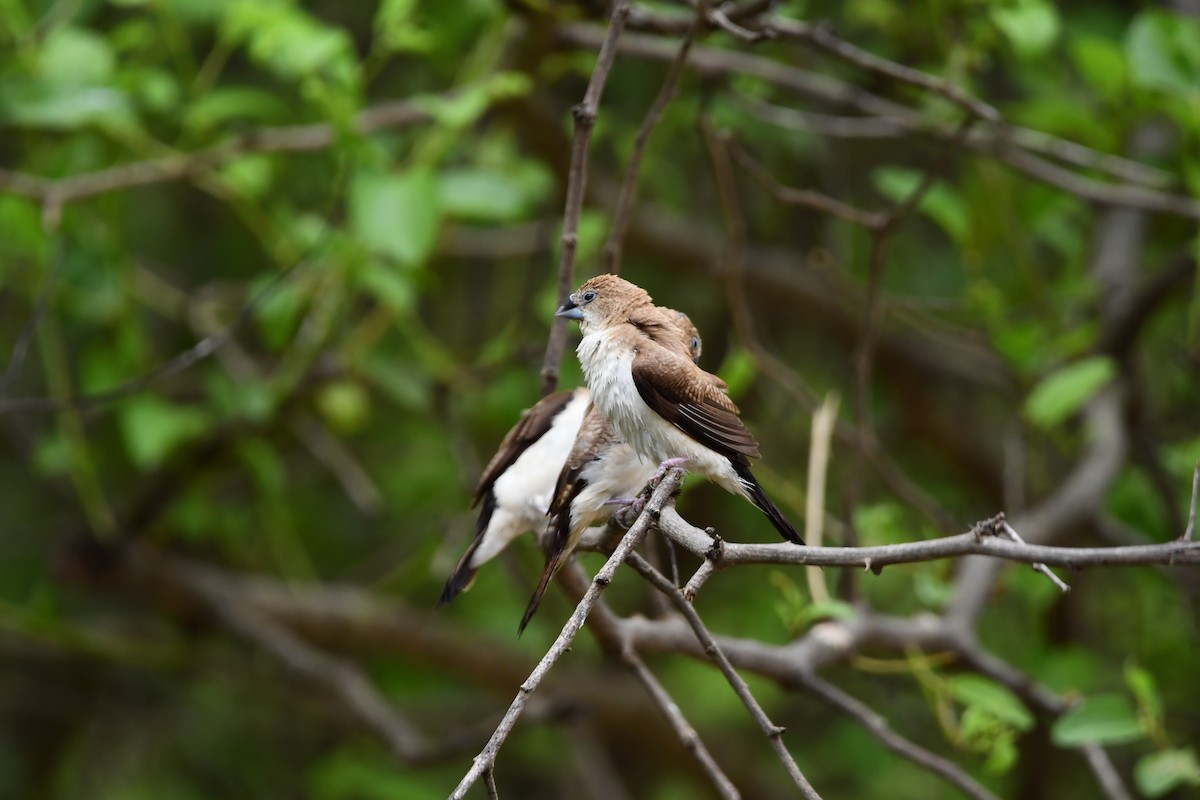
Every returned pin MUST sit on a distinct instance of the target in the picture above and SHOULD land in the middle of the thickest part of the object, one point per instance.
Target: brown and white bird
(519, 483)
(601, 469)
(657, 400)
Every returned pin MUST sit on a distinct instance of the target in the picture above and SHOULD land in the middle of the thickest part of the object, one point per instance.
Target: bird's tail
(464, 574)
(756, 495)
(558, 549)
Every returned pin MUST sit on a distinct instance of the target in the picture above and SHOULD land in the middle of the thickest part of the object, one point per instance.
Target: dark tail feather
(552, 565)
(460, 580)
(557, 552)
(764, 504)
(464, 574)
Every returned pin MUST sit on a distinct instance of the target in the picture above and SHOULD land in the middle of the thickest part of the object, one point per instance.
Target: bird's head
(604, 301)
(689, 335)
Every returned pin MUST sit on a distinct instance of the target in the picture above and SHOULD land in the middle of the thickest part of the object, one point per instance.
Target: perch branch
(487, 757)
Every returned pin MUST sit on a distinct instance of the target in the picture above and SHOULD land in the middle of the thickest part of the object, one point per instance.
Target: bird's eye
(695, 342)
(589, 296)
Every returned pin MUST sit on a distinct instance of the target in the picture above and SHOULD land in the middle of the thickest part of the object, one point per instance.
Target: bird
(661, 403)
(602, 471)
(516, 487)
(518, 484)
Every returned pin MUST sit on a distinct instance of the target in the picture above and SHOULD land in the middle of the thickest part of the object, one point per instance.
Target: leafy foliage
(351, 212)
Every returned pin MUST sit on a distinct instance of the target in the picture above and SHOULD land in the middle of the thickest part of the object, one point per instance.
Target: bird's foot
(620, 501)
(670, 463)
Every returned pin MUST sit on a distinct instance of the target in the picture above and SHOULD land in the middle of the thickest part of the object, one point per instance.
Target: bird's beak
(569, 310)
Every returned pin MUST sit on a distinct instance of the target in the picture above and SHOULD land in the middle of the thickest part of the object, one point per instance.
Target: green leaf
(977, 691)
(1159, 47)
(1064, 391)
(738, 370)
(481, 194)
(397, 215)
(1102, 719)
(1145, 692)
(60, 106)
(1158, 773)
(75, 56)
(235, 103)
(1101, 62)
(1031, 26)
(345, 405)
(152, 428)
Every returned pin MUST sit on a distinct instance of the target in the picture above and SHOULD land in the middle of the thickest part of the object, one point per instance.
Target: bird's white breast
(524, 490)
(607, 362)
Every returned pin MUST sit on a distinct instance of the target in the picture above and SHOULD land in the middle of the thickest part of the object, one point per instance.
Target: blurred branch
(688, 737)
(773, 732)
(881, 730)
(487, 757)
(181, 362)
(340, 678)
(627, 194)
(53, 194)
(1191, 524)
(1009, 144)
(821, 36)
(585, 118)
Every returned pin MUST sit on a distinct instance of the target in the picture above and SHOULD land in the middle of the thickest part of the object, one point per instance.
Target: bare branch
(585, 118)
(628, 191)
(1012, 145)
(823, 424)
(1191, 525)
(964, 544)
(773, 732)
(821, 36)
(487, 757)
(806, 198)
(881, 730)
(688, 737)
(292, 139)
(1006, 530)
(341, 678)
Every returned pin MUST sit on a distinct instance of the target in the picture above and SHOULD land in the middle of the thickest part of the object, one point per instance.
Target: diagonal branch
(486, 759)
(585, 120)
(773, 732)
(881, 730)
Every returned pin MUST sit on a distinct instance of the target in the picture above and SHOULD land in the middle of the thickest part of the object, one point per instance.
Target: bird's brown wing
(532, 426)
(594, 434)
(692, 400)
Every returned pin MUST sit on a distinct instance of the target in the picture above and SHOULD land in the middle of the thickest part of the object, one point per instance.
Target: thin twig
(344, 680)
(1012, 145)
(487, 757)
(698, 579)
(821, 35)
(1191, 525)
(806, 198)
(489, 780)
(773, 732)
(585, 119)
(1038, 566)
(823, 423)
(1106, 774)
(627, 194)
(878, 726)
(20, 348)
(688, 736)
(290, 139)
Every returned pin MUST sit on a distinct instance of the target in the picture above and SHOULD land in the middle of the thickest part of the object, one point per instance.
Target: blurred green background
(358, 205)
